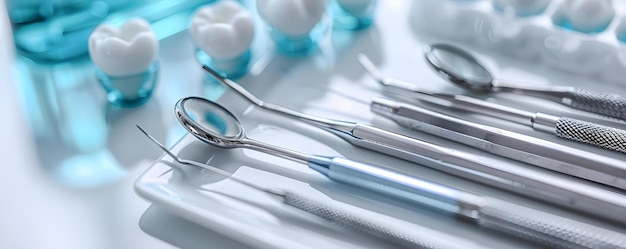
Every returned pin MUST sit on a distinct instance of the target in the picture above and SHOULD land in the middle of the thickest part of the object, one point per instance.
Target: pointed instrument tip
(168, 152)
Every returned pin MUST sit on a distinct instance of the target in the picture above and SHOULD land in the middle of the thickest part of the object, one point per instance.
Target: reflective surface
(45, 211)
(207, 117)
(58, 30)
(459, 66)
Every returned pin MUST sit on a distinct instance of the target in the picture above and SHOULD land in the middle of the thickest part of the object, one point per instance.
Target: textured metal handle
(612, 105)
(546, 229)
(417, 237)
(595, 134)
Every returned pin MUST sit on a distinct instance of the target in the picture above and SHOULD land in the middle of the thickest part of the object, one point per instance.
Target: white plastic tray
(331, 84)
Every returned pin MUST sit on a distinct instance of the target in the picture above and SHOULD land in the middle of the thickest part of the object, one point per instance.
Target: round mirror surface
(211, 118)
(459, 66)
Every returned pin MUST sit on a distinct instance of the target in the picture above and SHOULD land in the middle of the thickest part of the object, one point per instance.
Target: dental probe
(539, 152)
(556, 189)
(533, 225)
(417, 237)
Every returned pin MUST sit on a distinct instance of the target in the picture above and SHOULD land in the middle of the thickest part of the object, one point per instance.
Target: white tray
(331, 84)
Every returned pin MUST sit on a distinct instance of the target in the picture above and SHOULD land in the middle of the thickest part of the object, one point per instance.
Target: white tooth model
(127, 50)
(292, 21)
(224, 31)
(590, 15)
(126, 59)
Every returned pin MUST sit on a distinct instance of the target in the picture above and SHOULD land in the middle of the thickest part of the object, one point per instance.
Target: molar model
(223, 32)
(295, 25)
(125, 61)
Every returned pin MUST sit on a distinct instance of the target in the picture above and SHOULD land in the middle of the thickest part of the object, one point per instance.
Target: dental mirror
(459, 67)
(209, 122)
(215, 125)
(465, 71)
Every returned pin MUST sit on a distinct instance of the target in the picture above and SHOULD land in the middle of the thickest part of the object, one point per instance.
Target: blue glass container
(131, 90)
(299, 45)
(232, 68)
(352, 14)
(52, 31)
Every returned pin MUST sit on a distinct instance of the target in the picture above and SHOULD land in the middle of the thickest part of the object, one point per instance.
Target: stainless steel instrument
(215, 125)
(417, 237)
(542, 153)
(568, 128)
(464, 70)
(551, 188)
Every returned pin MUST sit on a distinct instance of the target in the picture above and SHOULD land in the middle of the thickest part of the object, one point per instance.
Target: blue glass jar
(299, 45)
(52, 31)
(232, 68)
(129, 90)
(353, 14)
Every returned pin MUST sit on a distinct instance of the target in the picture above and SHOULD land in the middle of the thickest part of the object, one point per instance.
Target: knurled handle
(612, 105)
(417, 237)
(595, 134)
(546, 229)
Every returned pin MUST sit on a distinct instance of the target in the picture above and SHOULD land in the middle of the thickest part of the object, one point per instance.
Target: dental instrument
(213, 124)
(564, 127)
(462, 69)
(417, 237)
(539, 152)
(571, 161)
(556, 189)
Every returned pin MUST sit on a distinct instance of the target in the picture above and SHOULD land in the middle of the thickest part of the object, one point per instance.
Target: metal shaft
(556, 189)
(536, 226)
(416, 237)
(539, 152)
(568, 128)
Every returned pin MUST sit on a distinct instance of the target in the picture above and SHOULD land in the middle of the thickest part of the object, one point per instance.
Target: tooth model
(125, 60)
(353, 14)
(295, 25)
(590, 15)
(223, 32)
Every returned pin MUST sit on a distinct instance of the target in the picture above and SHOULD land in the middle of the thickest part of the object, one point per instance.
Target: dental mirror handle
(611, 105)
(416, 237)
(533, 225)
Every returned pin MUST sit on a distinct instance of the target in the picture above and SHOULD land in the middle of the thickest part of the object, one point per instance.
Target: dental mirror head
(209, 122)
(459, 67)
